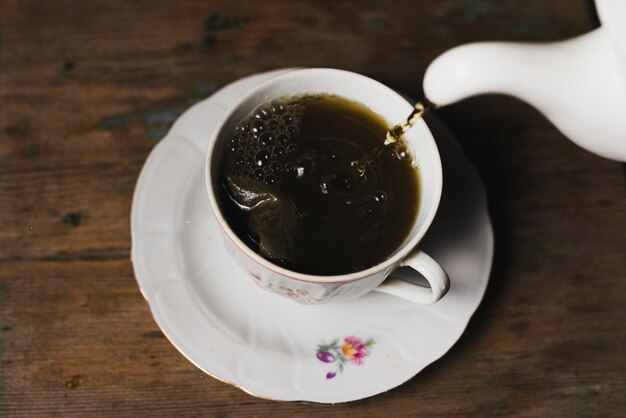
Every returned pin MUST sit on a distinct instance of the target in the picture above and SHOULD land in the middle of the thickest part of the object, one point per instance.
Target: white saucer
(263, 343)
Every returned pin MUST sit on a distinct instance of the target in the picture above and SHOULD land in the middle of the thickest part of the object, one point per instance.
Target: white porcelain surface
(579, 84)
(268, 345)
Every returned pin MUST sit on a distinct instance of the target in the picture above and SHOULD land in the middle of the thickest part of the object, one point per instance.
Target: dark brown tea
(290, 191)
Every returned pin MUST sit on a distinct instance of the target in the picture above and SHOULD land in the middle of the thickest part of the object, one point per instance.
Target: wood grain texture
(88, 87)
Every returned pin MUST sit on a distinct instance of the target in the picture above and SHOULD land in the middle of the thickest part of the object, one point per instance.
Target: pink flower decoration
(355, 349)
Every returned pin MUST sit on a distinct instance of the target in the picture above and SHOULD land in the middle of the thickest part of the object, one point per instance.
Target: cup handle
(427, 267)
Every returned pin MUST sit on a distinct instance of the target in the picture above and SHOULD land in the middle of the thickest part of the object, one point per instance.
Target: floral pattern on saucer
(353, 349)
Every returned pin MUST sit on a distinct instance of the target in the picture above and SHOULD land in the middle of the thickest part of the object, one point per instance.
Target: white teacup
(313, 289)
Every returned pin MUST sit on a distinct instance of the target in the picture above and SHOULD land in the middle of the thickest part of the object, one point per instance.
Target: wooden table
(87, 88)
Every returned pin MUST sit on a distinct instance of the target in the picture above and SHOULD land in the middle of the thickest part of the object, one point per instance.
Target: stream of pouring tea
(393, 135)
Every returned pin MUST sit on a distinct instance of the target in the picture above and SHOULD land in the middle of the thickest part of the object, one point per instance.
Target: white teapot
(579, 84)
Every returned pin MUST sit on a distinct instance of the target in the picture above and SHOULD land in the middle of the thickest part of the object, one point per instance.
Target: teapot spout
(576, 83)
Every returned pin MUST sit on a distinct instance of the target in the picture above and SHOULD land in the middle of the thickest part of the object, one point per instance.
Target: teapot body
(578, 84)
